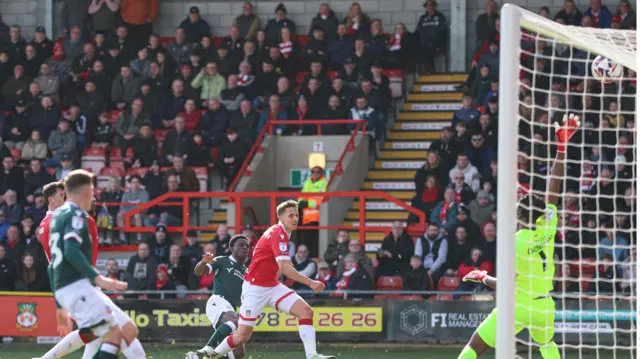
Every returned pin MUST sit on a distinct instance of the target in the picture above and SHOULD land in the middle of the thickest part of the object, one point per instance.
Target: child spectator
(481, 86)
(32, 276)
(164, 281)
(325, 276)
(475, 261)
(201, 156)
(416, 277)
(103, 133)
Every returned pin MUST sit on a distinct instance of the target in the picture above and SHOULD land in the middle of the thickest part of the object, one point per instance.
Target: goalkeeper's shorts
(537, 315)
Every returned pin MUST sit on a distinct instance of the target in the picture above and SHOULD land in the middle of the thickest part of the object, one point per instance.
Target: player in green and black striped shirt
(227, 288)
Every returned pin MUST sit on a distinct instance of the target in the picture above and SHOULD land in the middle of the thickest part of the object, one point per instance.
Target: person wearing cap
(463, 218)
(66, 166)
(248, 22)
(194, 26)
(16, 126)
(43, 46)
(432, 32)
(340, 47)
(349, 75)
(482, 208)
(325, 276)
(274, 26)
(160, 243)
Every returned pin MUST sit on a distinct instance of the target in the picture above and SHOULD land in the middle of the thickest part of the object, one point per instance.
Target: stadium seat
(442, 297)
(396, 82)
(140, 171)
(410, 297)
(51, 170)
(302, 40)
(386, 296)
(466, 297)
(160, 134)
(165, 40)
(94, 158)
(107, 172)
(217, 40)
(449, 283)
(198, 296)
(332, 74)
(16, 153)
(215, 154)
(203, 175)
(114, 115)
(585, 280)
(389, 283)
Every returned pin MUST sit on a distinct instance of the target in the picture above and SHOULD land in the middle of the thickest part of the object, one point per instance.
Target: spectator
(141, 65)
(233, 151)
(275, 112)
(605, 277)
(194, 26)
(245, 121)
(103, 133)
(73, 44)
(177, 142)
(482, 208)
(128, 126)
(191, 116)
(84, 62)
(398, 48)
(32, 277)
(362, 111)
(214, 123)
(142, 267)
(358, 23)
(138, 16)
(432, 167)
(114, 61)
(316, 49)
(316, 101)
(570, 14)
(337, 249)
(432, 248)
(248, 23)
(135, 194)
(482, 85)
(363, 57)
(160, 243)
(324, 275)
(416, 278)
(201, 156)
(467, 113)
(627, 15)
(395, 252)
(379, 40)
(600, 15)
(475, 261)
(153, 180)
(470, 172)
(114, 272)
(173, 105)
(463, 218)
(163, 282)
(91, 101)
(169, 215)
(43, 45)
(613, 245)
(192, 249)
(15, 46)
(232, 95)
(104, 16)
(444, 212)
(186, 176)
(222, 240)
(145, 147)
(12, 242)
(12, 209)
(459, 249)
(485, 23)
(340, 48)
(357, 251)
(112, 195)
(432, 31)
(302, 263)
(48, 82)
(245, 77)
(78, 123)
(354, 277)
(6, 67)
(16, 127)
(8, 273)
(235, 44)
(429, 194)
(254, 59)
(11, 177)
(629, 270)
(179, 268)
(211, 82)
(480, 153)
(125, 87)
(35, 178)
(272, 30)
(446, 149)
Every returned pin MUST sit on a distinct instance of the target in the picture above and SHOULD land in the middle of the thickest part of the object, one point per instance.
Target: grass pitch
(356, 351)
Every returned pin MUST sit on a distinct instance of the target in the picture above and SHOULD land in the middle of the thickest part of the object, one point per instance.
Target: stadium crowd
(112, 84)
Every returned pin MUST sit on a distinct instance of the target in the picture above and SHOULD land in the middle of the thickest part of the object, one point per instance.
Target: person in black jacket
(316, 49)
(214, 123)
(432, 31)
(35, 179)
(458, 250)
(16, 127)
(32, 277)
(7, 271)
(335, 111)
(233, 151)
(327, 21)
(177, 141)
(142, 268)
(272, 30)
(160, 243)
(145, 147)
(194, 26)
(416, 278)
(201, 156)
(179, 267)
(11, 177)
(153, 180)
(245, 121)
(395, 252)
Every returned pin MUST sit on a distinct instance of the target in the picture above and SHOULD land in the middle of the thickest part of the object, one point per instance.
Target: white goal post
(617, 45)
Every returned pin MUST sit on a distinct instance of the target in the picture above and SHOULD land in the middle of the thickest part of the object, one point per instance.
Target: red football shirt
(272, 247)
(44, 230)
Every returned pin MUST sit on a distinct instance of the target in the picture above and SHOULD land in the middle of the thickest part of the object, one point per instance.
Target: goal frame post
(513, 18)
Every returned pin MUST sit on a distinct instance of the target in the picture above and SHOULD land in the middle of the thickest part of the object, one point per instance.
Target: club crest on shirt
(283, 247)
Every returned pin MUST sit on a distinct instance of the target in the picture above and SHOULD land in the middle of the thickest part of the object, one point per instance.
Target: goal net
(545, 73)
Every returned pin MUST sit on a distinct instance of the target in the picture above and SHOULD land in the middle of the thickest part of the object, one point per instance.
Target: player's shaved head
(282, 207)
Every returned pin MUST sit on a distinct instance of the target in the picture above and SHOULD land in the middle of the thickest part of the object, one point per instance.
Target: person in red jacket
(191, 116)
(474, 262)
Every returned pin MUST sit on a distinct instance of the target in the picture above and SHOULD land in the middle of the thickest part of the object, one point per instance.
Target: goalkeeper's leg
(542, 329)
(482, 339)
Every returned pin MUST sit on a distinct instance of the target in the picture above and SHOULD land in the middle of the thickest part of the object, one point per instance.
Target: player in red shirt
(54, 197)
(261, 287)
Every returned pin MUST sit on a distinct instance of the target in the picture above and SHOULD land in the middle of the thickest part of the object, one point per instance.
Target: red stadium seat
(160, 134)
(198, 296)
(114, 115)
(585, 280)
(389, 283)
(386, 296)
(106, 173)
(140, 171)
(94, 158)
(410, 297)
(466, 297)
(215, 153)
(166, 40)
(302, 40)
(51, 170)
(442, 297)
(396, 82)
(449, 283)
(332, 74)
(16, 153)
(217, 40)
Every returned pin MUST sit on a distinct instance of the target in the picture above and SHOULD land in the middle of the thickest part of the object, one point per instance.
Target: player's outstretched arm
(481, 276)
(564, 132)
(205, 265)
(287, 270)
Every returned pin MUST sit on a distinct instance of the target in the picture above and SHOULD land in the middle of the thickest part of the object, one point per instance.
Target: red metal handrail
(237, 197)
(257, 145)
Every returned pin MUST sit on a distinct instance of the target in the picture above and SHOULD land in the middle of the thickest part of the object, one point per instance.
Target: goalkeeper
(535, 309)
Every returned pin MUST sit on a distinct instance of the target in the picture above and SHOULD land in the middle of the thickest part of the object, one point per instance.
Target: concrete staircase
(429, 107)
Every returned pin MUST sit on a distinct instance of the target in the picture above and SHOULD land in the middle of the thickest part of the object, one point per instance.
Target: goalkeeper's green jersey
(534, 256)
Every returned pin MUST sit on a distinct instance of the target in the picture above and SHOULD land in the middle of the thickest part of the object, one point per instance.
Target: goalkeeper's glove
(570, 125)
(475, 276)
